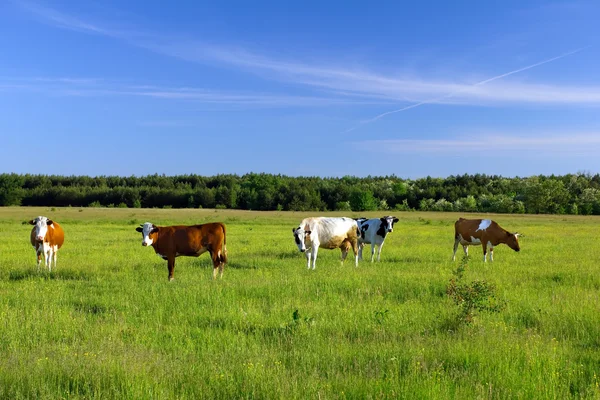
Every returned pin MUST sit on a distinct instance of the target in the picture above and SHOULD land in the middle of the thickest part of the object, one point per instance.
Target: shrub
(471, 297)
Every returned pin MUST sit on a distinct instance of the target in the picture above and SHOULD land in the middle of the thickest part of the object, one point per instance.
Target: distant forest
(567, 194)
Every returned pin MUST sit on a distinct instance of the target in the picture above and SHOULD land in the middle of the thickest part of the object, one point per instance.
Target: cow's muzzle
(40, 238)
(144, 244)
(303, 250)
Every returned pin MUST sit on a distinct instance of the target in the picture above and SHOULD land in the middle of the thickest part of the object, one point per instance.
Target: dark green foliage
(568, 194)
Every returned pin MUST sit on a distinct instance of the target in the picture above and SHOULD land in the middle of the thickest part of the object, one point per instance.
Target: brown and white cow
(174, 241)
(327, 233)
(483, 232)
(46, 237)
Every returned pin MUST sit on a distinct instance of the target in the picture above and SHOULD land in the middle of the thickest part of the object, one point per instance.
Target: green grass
(108, 324)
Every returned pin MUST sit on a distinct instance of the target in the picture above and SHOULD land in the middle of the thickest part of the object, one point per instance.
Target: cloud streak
(492, 144)
(77, 87)
(467, 88)
(339, 82)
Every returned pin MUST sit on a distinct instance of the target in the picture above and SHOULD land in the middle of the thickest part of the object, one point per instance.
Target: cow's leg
(308, 255)
(372, 251)
(456, 240)
(171, 266)
(38, 253)
(355, 249)
(217, 265)
(54, 253)
(484, 245)
(379, 252)
(345, 249)
(466, 249)
(49, 259)
(491, 252)
(344, 254)
(314, 257)
(360, 249)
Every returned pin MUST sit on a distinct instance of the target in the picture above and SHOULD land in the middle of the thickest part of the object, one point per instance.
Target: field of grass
(108, 324)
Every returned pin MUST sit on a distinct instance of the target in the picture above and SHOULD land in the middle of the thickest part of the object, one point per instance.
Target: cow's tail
(223, 255)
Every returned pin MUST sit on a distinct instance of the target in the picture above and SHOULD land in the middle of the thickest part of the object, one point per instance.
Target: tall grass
(108, 324)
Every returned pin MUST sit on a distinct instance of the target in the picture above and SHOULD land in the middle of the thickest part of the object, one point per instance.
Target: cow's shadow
(34, 273)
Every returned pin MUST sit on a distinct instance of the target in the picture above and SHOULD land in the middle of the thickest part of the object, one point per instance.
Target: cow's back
(190, 240)
(467, 228)
(481, 229)
(335, 232)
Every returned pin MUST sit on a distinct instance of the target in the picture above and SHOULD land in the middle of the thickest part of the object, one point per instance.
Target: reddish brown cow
(46, 237)
(484, 232)
(174, 241)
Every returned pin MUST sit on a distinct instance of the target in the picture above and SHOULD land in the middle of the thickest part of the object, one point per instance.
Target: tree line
(566, 194)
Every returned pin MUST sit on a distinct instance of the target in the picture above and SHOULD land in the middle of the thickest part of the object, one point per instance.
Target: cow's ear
(139, 229)
(396, 220)
(32, 222)
(293, 230)
(49, 222)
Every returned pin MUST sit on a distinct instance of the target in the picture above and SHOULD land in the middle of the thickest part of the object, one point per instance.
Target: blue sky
(306, 88)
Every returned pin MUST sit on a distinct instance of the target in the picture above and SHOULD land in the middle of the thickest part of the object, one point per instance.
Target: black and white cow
(374, 231)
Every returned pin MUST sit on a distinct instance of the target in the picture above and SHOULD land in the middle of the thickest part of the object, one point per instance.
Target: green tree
(363, 200)
(10, 189)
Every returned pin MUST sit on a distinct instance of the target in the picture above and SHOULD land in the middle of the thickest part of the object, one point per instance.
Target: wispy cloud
(558, 143)
(341, 82)
(80, 87)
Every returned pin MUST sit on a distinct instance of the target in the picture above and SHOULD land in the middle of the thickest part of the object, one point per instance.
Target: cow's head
(388, 223)
(301, 236)
(149, 233)
(512, 241)
(41, 227)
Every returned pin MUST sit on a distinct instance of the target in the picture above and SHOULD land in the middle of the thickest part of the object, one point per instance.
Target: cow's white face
(388, 223)
(41, 227)
(301, 237)
(147, 230)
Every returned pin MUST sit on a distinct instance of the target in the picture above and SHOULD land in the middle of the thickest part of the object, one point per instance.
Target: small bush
(471, 297)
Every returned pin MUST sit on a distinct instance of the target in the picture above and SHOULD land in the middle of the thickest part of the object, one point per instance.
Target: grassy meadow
(107, 323)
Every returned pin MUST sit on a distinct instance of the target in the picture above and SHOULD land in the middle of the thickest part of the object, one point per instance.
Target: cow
(484, 232)
(374, 231)
(46, 237)
(170, 242)
(326, 233)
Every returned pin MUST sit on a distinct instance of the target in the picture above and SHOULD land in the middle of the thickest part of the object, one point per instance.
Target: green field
(108, 324)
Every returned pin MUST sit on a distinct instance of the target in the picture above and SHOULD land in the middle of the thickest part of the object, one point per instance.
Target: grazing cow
(174, 241)
(46, 237)
(327, 233)
(373, 232)
(484, 232)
